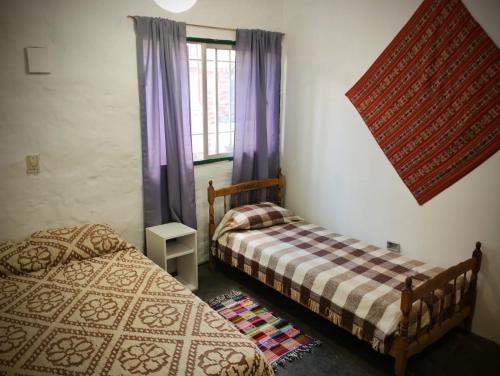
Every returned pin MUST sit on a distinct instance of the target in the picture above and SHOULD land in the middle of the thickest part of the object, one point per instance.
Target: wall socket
(32, 164)
(392, 246)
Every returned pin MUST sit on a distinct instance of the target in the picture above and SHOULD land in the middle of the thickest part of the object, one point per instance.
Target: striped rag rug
(280, 341)
(431, 99)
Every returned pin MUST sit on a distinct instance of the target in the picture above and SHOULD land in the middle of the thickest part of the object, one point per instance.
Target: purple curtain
(167, 159)
(258, 82)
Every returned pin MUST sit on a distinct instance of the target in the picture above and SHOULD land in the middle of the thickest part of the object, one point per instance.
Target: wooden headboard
(236, 189)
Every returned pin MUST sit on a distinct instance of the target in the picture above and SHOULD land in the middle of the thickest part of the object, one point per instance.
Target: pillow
(25, 257)
(252, 217)
(44, 249)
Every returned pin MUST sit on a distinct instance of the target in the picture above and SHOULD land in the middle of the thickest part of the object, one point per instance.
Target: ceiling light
(175, 6)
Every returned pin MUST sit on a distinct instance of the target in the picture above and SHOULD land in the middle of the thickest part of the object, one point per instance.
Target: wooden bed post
(401, 351)
(477, 255)
(280, 187)
(211, 224)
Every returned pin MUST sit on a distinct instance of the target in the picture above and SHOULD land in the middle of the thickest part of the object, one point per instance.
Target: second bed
(398, 304)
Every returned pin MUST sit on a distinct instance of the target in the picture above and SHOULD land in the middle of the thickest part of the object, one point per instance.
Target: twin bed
(398, 304)
(82, 301)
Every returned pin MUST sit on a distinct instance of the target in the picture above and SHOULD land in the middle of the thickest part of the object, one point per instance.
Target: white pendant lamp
(175, 6)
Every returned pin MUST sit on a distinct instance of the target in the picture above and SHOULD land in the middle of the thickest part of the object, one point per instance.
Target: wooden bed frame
(404, 346)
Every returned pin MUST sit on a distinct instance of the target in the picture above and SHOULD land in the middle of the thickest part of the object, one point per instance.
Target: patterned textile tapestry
(431, 99)
(279, 340)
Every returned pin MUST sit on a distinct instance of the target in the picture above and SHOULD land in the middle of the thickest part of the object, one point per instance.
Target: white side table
(175, 241)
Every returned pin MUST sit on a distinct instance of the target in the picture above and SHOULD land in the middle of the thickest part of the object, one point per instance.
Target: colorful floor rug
(431, 98)
(280, 341)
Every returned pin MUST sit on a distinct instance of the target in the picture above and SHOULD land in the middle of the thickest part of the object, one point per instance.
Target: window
(211, 83)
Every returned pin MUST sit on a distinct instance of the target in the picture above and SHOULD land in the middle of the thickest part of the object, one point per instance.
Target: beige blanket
(81, 301)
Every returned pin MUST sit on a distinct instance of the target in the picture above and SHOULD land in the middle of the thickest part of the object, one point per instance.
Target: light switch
(38, 59)
(32, 165)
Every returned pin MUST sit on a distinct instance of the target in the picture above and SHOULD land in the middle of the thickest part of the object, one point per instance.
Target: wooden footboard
(453, 282)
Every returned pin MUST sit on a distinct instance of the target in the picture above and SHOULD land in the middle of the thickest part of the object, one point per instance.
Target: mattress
(82, 301)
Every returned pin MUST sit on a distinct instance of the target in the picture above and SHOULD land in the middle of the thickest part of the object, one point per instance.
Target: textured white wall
(83, 118)
(336, 174)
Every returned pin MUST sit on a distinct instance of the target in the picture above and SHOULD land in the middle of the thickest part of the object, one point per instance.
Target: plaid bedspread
(353, 284)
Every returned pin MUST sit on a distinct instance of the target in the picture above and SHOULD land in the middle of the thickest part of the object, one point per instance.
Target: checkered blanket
(353, 284)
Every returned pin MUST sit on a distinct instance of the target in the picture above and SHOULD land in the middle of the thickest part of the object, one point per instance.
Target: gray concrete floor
(458, 353)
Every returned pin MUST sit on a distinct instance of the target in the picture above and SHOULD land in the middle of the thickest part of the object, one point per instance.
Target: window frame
(220, 44)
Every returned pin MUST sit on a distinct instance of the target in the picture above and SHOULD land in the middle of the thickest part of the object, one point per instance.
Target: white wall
(83, 118)
(336, 174)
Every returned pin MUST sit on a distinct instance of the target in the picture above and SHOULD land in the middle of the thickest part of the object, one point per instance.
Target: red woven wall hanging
(431, 100)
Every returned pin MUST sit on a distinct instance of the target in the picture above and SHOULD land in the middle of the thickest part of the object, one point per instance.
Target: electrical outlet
(392, 246)
(32, 165)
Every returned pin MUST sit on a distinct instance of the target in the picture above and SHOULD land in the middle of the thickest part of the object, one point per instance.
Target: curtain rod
(198, 25)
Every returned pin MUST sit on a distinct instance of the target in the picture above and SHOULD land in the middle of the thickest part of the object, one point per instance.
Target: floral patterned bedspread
(81, 301)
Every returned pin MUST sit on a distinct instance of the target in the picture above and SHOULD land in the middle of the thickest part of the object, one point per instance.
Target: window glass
(212, 89)
(196, 96)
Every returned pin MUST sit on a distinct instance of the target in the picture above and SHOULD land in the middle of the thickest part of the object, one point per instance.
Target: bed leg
(400, 364)
(467, 324)
(212, 263)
